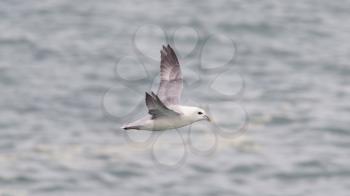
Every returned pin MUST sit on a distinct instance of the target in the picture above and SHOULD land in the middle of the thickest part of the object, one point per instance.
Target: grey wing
(170, 87)
(156, 108)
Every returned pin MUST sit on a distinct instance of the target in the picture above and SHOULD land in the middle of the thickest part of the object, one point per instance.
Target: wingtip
(149, 96)
(166, 47)
(153, 94)
(163, 51)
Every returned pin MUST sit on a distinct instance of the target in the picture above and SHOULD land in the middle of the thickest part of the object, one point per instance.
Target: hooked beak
(207, 118)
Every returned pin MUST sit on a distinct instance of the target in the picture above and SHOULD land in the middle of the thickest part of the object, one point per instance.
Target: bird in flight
(164, 109)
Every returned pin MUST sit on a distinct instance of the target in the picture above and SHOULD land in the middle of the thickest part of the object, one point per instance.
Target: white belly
(165, 123)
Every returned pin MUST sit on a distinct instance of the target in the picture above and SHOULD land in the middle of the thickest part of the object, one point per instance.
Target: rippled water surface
(71, 72)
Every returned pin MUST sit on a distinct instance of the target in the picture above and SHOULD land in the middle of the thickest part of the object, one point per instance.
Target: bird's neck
(187, 112)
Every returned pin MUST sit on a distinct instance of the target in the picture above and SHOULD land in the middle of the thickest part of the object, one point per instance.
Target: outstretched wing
(170, 87)
(156, 108)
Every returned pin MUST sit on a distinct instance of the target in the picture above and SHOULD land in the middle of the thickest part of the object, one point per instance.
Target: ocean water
(273, 74)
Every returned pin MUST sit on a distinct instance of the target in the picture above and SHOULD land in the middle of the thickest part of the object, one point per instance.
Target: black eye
(199, 113)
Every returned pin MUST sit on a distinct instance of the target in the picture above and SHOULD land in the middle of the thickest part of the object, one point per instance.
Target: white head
(195, 113)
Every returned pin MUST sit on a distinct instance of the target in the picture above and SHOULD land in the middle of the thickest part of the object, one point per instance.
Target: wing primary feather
(169, 91)
(156, 108)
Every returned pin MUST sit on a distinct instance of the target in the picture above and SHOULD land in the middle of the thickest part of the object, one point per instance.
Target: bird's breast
(169, 123)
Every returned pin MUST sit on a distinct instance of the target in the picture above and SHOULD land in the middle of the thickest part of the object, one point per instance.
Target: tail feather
(126, 127)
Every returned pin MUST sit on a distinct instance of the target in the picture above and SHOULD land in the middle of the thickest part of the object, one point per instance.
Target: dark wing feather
(170, 77)
(156, 108)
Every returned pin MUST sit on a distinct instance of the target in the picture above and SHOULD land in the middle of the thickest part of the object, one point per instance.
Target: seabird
(164, 109)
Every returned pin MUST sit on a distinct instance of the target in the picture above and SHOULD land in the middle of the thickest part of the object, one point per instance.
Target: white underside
(165, 123)
(186, 117)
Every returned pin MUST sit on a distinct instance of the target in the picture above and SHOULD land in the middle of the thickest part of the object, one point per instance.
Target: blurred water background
(61, 97)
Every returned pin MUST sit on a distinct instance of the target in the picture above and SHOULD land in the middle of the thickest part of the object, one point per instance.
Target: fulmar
(164, 109)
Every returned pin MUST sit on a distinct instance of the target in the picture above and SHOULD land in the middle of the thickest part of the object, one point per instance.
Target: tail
(127, 127)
